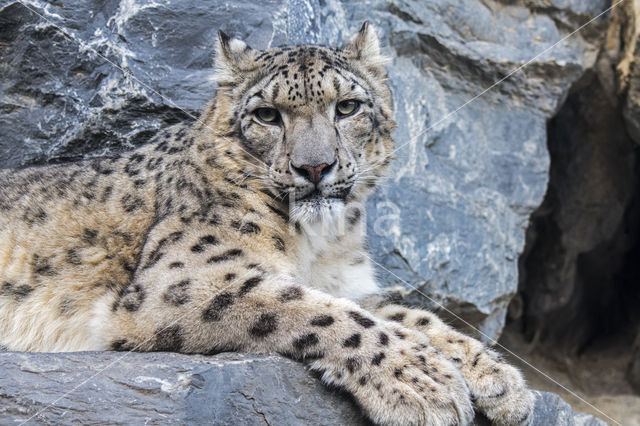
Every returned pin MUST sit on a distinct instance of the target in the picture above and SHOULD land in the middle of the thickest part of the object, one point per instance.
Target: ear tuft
(233, 58)
(223, 38)
(365, 46)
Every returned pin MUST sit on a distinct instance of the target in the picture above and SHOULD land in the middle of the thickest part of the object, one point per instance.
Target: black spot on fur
(229, 277)
(22, 291)
(305, 341)
(476, 359)
(322, 321)
(34, 215)
(353, 364)
(168, 339)
(249, 285)
(42, 266)
(132, 166)
(214, 311)
(89, 236)
(18, 292)
(293, 292)
(378, 358)
(66, 306)
(227, 199)
(127, 265)
(256, 267)
(400, 334)
(137, 158)
(279, 243)
(361, 319)
(72, 257)
(121, 345)
(154, 257)
(397, 317)
(131, 297)
(176, 294)
(313, 356)
(176, 265)
(354, 216)
(153, 163)
(363, 380)
(383, 339)
(106, 194)
(266, 324)
(246, 227)
(174, 237)
(131, 203)
(397, 372)
(227, 255)
(207, 240)
(422, 322)
(101, 167)
(352, 341)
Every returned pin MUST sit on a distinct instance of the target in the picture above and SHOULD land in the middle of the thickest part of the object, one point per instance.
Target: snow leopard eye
(347, 108)
(268, 115)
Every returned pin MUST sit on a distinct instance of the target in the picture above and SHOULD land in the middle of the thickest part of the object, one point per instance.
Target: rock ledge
(137, 388)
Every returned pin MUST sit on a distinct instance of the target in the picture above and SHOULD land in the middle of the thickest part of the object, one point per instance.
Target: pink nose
(312, 173)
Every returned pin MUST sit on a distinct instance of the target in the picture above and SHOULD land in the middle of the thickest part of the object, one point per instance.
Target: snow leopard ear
(365, 47)
(233, 58)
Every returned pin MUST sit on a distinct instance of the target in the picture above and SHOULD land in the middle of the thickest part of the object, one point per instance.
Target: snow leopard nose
(314, 174)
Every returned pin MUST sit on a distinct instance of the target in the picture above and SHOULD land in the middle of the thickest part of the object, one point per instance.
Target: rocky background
(514, 187)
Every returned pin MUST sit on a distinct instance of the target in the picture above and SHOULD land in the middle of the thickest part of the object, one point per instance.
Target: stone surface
(550, 409)
(154, 388)
(89, 78)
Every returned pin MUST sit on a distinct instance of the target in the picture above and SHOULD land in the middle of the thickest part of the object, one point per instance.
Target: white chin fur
(316, 210)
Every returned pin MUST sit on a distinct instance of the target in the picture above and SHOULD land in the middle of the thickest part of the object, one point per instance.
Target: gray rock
(154, 388)
(95, 77)
(552, 410)
(133, 388)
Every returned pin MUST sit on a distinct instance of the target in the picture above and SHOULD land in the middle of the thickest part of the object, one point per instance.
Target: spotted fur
(244, 232)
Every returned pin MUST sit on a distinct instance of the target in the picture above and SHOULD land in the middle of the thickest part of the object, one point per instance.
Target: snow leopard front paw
(409, 384)
(499, 390)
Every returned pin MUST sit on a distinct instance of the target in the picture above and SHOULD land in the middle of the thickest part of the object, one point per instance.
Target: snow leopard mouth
(315, 206)
(315, 196)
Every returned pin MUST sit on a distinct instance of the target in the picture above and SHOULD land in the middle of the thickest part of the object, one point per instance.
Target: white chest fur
(331, 256)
